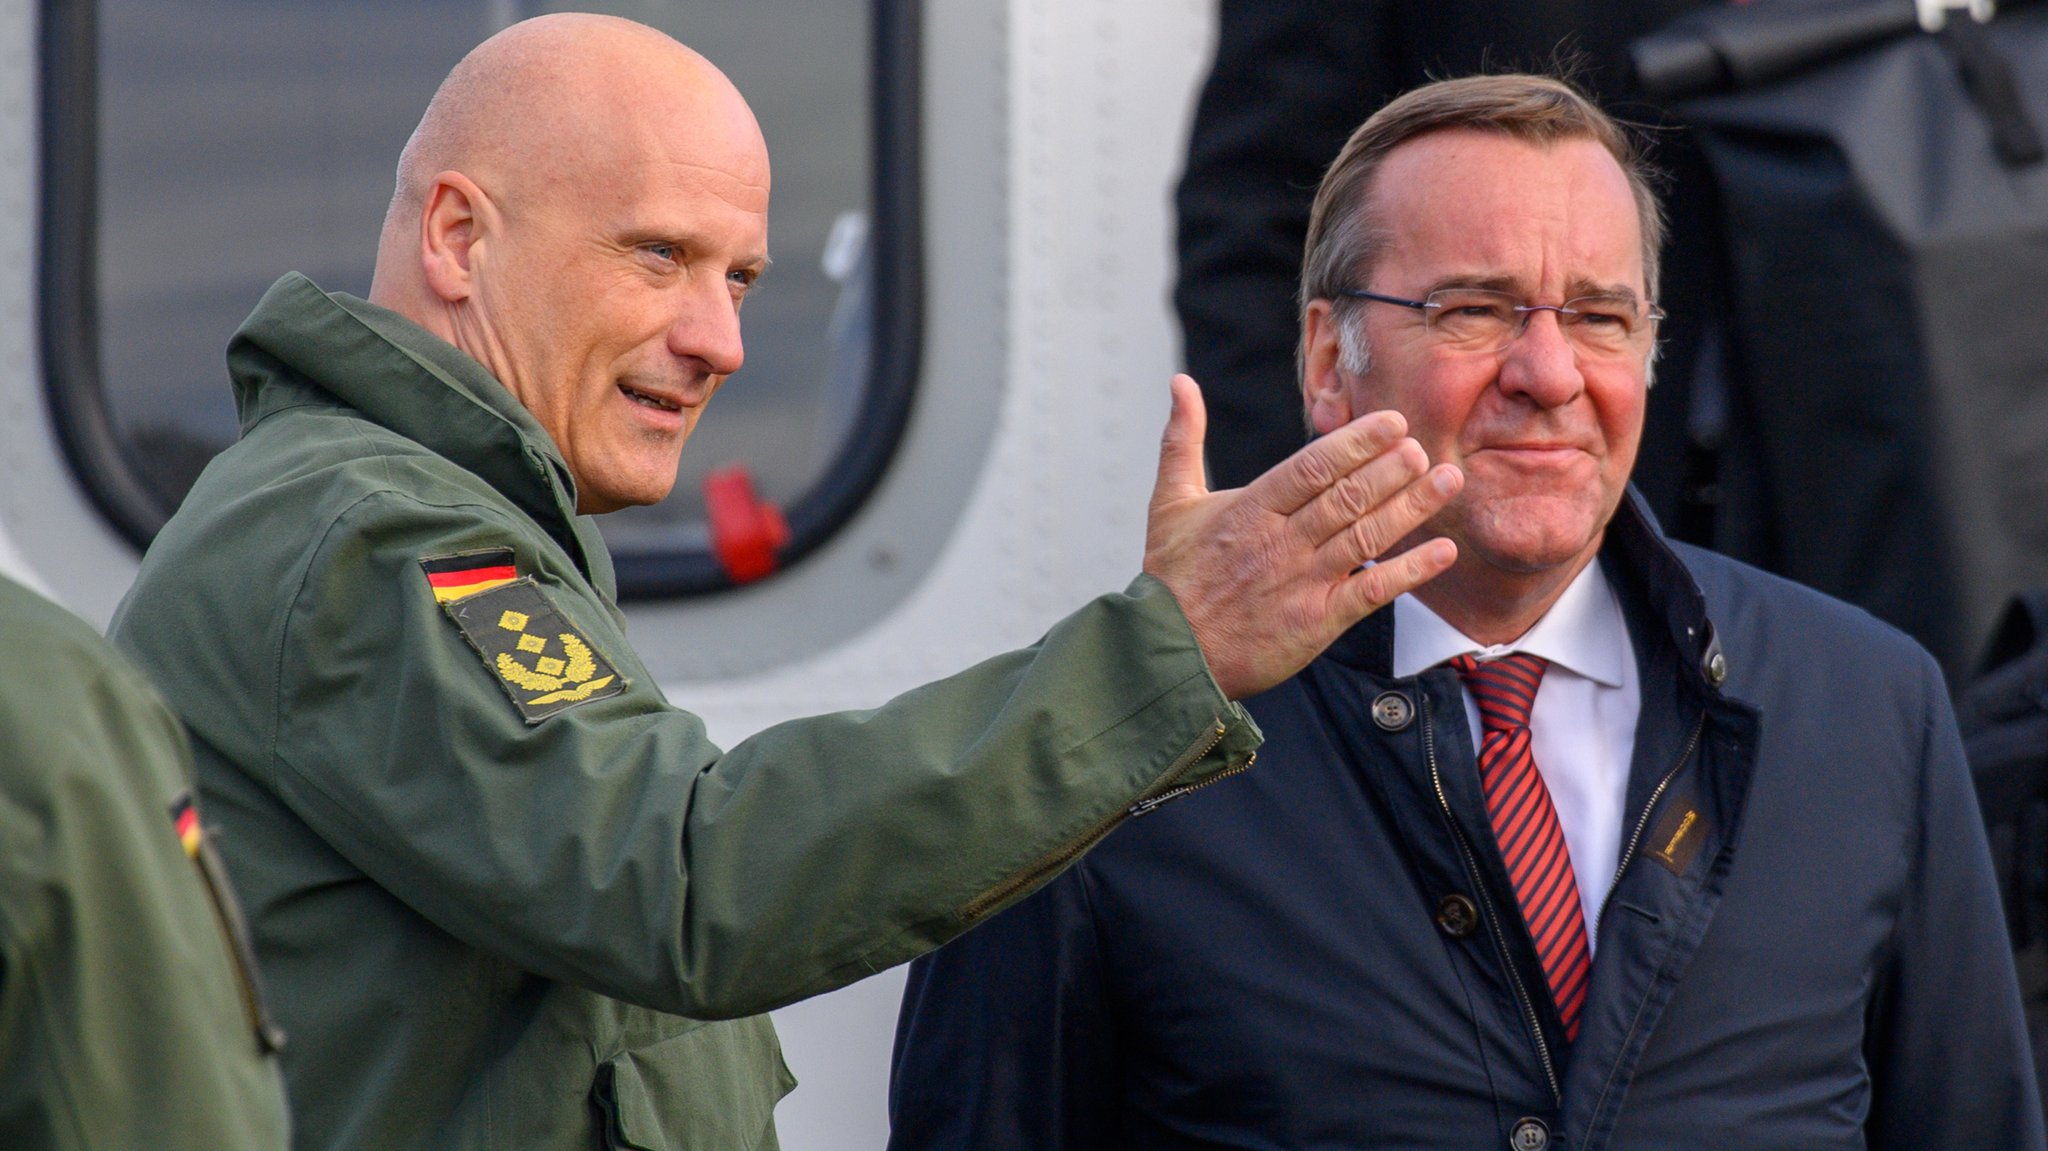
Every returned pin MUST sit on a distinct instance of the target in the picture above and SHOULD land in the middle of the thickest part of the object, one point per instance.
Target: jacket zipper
(1145, 803)
(1643, 821)
(1152, 803)
(1493, 918)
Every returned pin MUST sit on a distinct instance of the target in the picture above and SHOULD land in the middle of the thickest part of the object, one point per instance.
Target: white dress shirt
(1582, 729)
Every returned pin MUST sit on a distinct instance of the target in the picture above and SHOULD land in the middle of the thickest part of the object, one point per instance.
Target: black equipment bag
(1885, 218)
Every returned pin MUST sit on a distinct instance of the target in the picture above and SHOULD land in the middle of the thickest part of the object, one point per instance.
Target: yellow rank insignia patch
(542, 663)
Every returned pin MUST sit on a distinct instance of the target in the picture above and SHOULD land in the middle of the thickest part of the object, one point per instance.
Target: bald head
(546, 106)
(582, 210)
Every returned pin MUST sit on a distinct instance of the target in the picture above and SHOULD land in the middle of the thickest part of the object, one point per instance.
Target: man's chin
(597, 501)
(1531, 544)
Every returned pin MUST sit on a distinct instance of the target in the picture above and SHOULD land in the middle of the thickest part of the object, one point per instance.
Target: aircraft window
(194, 150)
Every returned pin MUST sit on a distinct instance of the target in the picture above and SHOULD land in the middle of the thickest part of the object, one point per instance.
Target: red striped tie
(1525, 823)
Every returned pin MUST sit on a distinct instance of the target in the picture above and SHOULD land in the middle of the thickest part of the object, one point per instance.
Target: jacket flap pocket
(714, 1086)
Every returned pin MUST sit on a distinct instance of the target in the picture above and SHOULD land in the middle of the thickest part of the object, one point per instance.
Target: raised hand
(1270, 574)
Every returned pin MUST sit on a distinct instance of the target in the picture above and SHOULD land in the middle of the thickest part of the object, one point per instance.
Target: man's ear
(451, 223)
(1325, 395)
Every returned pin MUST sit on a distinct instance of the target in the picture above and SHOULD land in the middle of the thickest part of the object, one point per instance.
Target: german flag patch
(185, 818)
(456, 576)
(534, 653)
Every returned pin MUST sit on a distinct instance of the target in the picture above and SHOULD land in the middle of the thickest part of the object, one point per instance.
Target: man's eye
(1477, 312)
(742, 278)
(663, 252)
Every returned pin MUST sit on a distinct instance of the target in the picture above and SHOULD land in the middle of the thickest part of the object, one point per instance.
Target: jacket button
(1456, 916)
(1717, 669)
(1529, 1135)
(1392, 711)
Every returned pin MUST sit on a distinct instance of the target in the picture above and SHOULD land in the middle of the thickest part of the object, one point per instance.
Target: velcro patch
(534, 653)
(453, 577)
(1676, 840)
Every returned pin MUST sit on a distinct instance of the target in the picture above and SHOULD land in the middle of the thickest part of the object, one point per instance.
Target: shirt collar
(1583, 632)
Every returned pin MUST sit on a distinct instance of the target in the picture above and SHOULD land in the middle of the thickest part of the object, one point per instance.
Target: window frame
(67, 293)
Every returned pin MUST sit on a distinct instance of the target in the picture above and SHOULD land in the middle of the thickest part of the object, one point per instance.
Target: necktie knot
(1504, 688)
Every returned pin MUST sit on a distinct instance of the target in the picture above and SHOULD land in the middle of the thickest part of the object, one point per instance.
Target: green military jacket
(127, 1013)
(504, 893)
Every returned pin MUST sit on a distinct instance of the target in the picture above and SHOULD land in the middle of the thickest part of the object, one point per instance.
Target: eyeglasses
(1483, 321)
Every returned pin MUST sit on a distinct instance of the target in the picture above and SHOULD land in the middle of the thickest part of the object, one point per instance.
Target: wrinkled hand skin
(1269, 574)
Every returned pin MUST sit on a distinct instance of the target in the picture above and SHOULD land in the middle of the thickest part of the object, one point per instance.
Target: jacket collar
(1647, 573)
(404, 378)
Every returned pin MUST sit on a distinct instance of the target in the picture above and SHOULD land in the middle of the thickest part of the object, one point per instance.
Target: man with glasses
(1595, 841)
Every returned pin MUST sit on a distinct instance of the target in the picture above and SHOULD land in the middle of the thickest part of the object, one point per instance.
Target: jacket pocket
(712, 1088)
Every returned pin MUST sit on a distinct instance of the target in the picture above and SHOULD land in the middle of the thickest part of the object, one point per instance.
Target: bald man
(507, 896)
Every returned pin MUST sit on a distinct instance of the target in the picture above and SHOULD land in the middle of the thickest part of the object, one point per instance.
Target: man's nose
(1541, 362)
(706, 328)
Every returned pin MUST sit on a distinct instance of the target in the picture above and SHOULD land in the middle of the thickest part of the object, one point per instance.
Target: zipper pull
(1149, 805)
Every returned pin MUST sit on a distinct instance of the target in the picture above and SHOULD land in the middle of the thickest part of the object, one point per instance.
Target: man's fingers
(1311, 471)
(1393, 520)
(1180, 449)
(1355, 496)
(1369, 590)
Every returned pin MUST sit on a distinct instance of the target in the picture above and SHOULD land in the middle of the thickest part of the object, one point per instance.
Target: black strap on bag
(1988, 79)
(1716, 51)
(1719, 50)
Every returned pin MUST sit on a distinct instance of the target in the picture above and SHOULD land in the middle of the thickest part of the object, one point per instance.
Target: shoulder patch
(541, 661)
(468, 573)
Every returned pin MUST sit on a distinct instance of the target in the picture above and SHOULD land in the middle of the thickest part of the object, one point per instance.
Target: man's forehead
(661, 193)
(653, 175)
(1487, 207)
(1450, 159)
(716, 148)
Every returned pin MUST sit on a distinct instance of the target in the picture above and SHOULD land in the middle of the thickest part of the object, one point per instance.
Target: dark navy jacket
(1803, 947)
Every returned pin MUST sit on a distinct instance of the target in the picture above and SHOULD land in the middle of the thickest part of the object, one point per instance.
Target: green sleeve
(611, 845)
(126, 1018)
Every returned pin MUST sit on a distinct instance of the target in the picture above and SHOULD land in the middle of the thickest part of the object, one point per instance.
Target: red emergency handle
(745, 529)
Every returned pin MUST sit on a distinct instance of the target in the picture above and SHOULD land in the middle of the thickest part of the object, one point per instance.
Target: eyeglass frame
(1650, 311)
